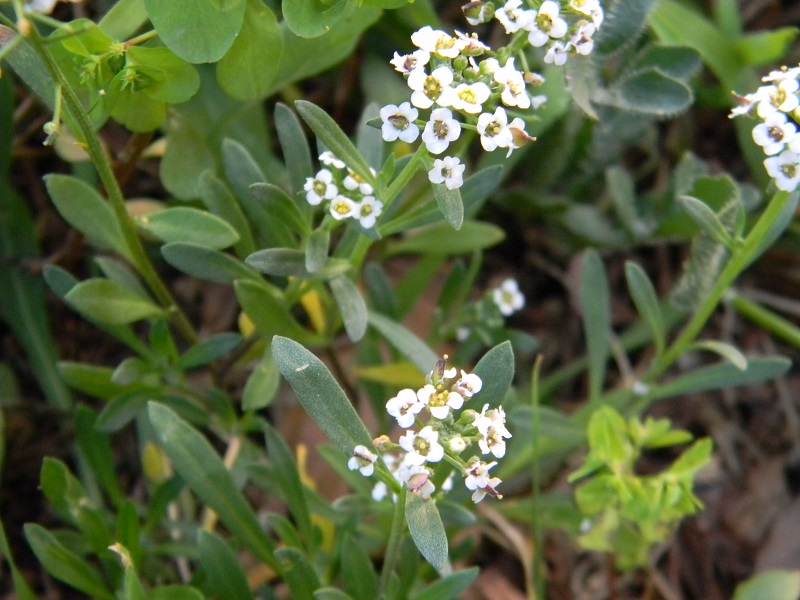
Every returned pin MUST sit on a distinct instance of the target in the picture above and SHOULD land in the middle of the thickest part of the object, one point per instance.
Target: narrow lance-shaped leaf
(351, 306)
(450, 204)
(222, 568)
(496, 370)
(409, 345)
(427, 531)
(110, 303)
(646, 301)
(596, 309)
(706, 219)
(294, 146)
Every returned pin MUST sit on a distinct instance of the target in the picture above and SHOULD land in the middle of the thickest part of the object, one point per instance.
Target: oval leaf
(190, 225)
(427, 531)
(110, 303)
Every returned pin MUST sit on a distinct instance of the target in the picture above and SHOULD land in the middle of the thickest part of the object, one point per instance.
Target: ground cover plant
(389, 299)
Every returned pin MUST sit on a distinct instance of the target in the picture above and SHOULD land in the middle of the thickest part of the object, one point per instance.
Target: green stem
(395, 537)
(768, 320)
(741, 259)
(116, 199)
(403, 178)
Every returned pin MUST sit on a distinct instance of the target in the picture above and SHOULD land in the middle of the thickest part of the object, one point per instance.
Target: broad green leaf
(123, 19)
(606, 431)
(187, 156)
(317, 249)
(202, 469)
(320, 394)
(298, 573)
(596, 312)
(169, 78)
(678, 62)
(269, 314)
(624, 20)
(726, 351)
(771, 585)
(207, 264)
(197, 30)
(63, 564)
(766, 47)
(89, 379)
(294, 146)
(646, 301)
(442, 239)
(130, 105)
(248, 68)
(692, 459)
(652, 92)
(451, 586)
(351, 306)
(427, 531)
(222, 568)
(330, 134)
(84, 209)
(313, 18)
(262, 385)
(110, 303)
(706, 219)
(496, 370)
(21, 587)
(450, 204)
(406, 342)
(210, 350)
(190, 225)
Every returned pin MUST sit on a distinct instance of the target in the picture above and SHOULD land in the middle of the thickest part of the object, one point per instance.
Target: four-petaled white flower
(449, 171)
(774, 133)
(440, 401)
(404, 407)
(469, 384)
(398, 123)
(556, 54)
(368, 211)
(431, 88)
(514, 90)
(508, 297)
(582, 39)
(491, 424)
(343, 207)
(422, 447)
(785, 170)
(328, 158)
(546, 24)
(418, 480)
(436, 42)
(320, 187)
(494, 130)
(354, 182)
(470, 97)
(440, 130)
(362, 460)
(478, 480)
(512, 17)
(781, 96)
(408, 62)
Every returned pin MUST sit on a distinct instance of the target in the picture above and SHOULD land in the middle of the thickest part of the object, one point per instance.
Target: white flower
(774, 133)
(379, 491)
(407, 63)
(343, 207)
(489, 66)
(781, 96)
(546, 24)
(320, 187)
(781, 74)
(328, 158)
(419, 482)
(508, 298)
(469, 384)
(440, 130)
(368, 211)
(478, 479)
(436, 42)
(470, 97)
(512, 17)
(470, 45)
(556, 54)
(354, 182)
(440, 401)
(513, 82)
(421, 447)
(398, 123)
(362, 460)
(449, 171)
(785, 170)
(744, 104)
(582, 39)
(491, 424)
(519, 137)
(590, 8)
(431, 88)
(404, 406)
(494, 131)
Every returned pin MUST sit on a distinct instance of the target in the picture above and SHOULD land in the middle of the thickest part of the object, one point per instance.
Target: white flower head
(417, 479)
(404, 406)
(470, 97)
(781, 96)
(774, 133)
(512, 17)
(546, 24)
(478, 480)
(362, 460)
(439, 400)
(514, 88)
(398, 123)
(494, 131)
(343, 207)
(436, 41)
(556, 54)
(368, 211)
(421, 447)
(431, 88)
(407, 63)
(508, 297)
(449, 171)
(582, 39)
(491, 424)
(440, 130)
(470, 44)
(785, 170)
(320, 187)
(328, 158)
(354, 182)
(468, 385)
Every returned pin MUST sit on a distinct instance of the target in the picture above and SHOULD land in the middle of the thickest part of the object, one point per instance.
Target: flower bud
(457, 445)
(478, 12)
(381, 441)
(460, 63)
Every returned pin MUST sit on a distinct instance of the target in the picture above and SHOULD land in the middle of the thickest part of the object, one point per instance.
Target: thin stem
(116, 199)
(395, 537)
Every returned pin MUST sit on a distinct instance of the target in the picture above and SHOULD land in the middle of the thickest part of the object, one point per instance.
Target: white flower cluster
(777, 105)
(350, 197)
(444, 436)
(487, 314)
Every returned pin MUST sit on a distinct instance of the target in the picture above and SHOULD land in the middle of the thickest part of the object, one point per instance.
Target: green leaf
(496, 370)
(450, 204)
(596, 312)
(606, 431)
(441, 239)
(190, 225)
(317, 249)
(772, 585)
(95, 449)
(197, 30)
(21, 587)
(652, 92)
(169, 78)
(358, 572)
(287, 262)
(449, 587)
(726, 351)
(175, 592)
(427, 531)
(707, 220)
(761, 48)
(210, 350)
(186, 158)
(249, 67)
(313, 18)
(678, 62)
(409, 345)
(84, 209)
(331, 594)
(646, 301)
(110, 303)
(269, 314)
(320, 394)
(220, 201)
(294, 146)
(298, 573)
(624, 20)
(207, 264)
(351, 306)
(262, 385)
(281, 206)
(123, 19)
(329, 133)
(63, 564)
(204, 472)
(222, 568)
